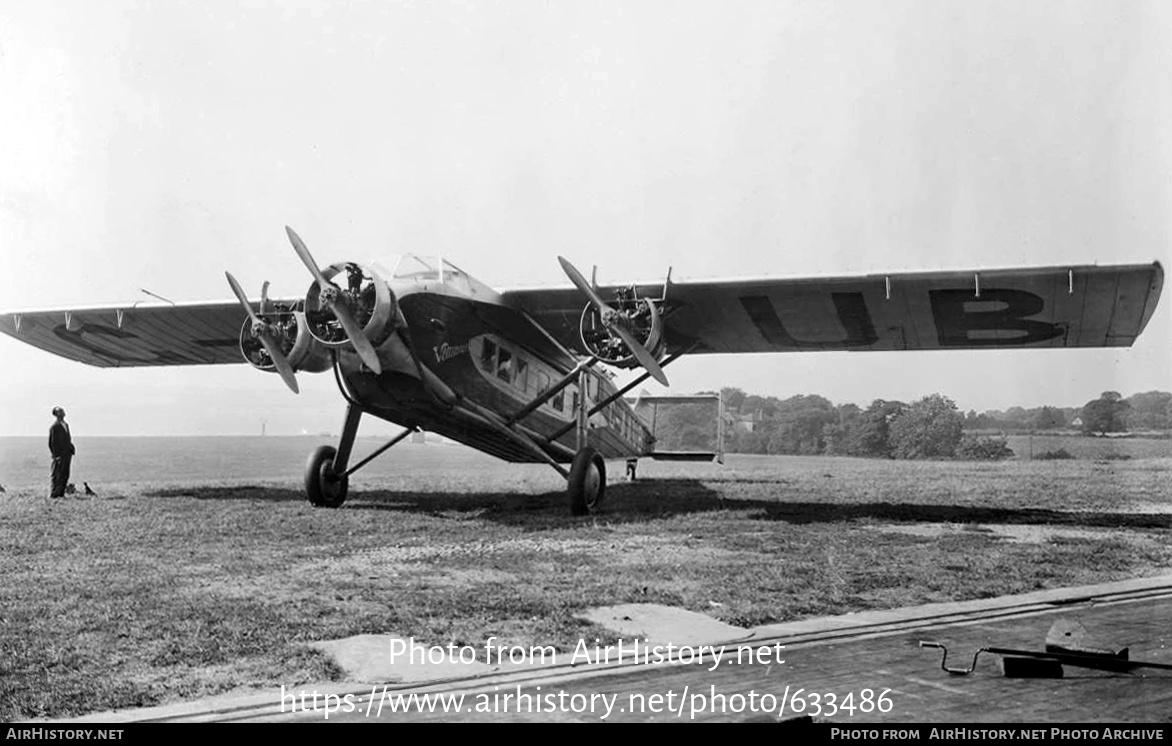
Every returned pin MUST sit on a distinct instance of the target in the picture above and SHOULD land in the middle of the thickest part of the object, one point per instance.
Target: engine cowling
(640, 316)
(366, 293)
(298, 345)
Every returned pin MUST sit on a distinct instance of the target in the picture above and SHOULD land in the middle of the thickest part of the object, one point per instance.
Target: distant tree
(1149, 411)
(1107, 414)
(929, 428)
(745, 442)
(1017, 415)
(847, 412)
(836, 434)
(983, 421)
(734, 398)
(799, 425)
(866, 432)
(1049, 418)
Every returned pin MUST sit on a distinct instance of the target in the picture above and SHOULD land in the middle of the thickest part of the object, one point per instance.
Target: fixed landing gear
(326, 474)
(325, 487)
(326, 477)
(587, 482)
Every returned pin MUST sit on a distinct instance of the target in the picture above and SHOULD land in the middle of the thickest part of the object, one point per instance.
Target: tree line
(931, 427)
(1110, 413)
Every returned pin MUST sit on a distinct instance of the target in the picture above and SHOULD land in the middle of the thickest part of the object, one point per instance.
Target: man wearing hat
(61, 446)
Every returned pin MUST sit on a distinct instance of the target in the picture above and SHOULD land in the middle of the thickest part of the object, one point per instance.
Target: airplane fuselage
(456, 334)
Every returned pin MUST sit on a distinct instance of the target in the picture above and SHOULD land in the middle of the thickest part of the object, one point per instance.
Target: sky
(156, 144)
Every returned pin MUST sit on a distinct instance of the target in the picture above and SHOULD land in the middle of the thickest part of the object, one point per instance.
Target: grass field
(1082, 447)
(159, 592)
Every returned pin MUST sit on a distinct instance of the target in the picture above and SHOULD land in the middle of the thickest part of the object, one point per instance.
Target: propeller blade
(584, 286)
(645, 358)
(361, 344)
(240, 296)
(284, 369)
(306, 258)
(271, 345)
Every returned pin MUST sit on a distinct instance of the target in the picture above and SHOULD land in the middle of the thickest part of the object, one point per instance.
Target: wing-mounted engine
(363, 293)
(626, 334)
(271, 330)
(639, 317)
(291, 333)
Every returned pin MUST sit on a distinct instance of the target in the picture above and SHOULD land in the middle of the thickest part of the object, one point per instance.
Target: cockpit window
(504, 366)
(417, 267)
(488, 355)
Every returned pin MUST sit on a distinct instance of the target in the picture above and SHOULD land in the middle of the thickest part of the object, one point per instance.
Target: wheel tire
(587, 483)
(325, 489)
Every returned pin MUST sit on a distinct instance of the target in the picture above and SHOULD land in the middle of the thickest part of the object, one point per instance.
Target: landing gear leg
(325, 473)
(587, 480)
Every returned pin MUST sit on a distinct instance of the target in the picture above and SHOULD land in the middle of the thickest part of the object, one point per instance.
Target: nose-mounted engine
(360, 313)
(639, 317)
(362, 292)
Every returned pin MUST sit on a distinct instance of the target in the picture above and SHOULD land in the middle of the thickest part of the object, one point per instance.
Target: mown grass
(150, 595)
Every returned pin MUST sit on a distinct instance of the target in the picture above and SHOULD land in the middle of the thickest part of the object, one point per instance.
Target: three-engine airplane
(512, 373)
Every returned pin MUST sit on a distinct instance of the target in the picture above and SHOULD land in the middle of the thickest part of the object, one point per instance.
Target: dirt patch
(1011, 532)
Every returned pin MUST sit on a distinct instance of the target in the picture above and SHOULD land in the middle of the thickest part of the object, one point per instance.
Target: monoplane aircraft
(425, 345)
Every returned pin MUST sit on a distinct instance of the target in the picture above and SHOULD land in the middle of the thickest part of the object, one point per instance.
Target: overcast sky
(156, 144)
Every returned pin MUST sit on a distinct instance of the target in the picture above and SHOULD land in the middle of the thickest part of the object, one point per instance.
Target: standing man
(61, 446)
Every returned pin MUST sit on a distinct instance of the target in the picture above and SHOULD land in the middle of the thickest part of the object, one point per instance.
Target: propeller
(333, 297)
(613, 321)
(262, 331)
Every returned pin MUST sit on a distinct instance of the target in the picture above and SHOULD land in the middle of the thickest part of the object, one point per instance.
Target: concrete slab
(368, 659)
(658, 624)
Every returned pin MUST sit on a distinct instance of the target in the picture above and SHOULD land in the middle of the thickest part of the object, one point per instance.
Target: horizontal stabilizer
(687, 456)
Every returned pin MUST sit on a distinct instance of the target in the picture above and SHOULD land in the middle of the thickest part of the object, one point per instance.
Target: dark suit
(61, 446)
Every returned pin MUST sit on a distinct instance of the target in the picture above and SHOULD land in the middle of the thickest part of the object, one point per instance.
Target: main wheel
(325, 488)
(587, 483)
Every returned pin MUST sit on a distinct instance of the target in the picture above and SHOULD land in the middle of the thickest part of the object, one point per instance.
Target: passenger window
(522, 377)
(488, 355)
(575, 409)
(559, 400)
(542, 383)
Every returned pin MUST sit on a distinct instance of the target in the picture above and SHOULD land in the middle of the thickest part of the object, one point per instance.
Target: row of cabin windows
(499, 361)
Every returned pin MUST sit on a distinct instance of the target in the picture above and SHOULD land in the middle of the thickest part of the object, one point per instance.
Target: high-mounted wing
(1087, 306)
(112, 336)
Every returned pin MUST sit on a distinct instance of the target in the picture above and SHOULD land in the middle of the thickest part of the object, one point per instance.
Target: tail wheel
(325, 488)
(587, 484)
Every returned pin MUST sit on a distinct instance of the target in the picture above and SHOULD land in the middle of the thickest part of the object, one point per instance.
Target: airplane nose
(333, 319)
